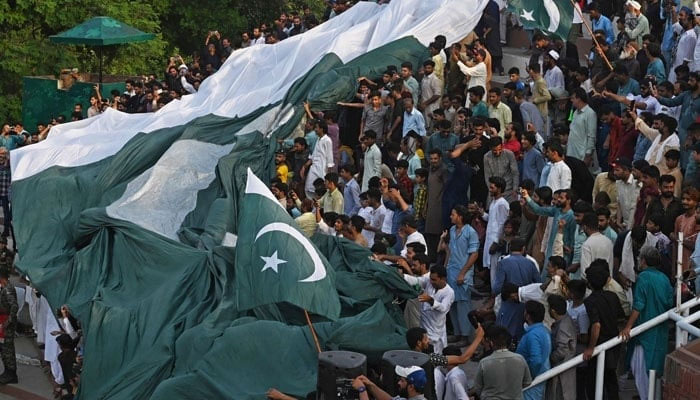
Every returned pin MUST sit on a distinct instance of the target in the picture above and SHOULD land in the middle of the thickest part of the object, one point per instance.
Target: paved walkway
(34, 383)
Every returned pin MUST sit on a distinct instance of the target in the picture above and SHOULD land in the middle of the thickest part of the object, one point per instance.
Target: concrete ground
(34, 382)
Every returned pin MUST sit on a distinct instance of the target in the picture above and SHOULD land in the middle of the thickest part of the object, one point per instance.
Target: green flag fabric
(553, 16)
(275, 262)
(186, 286)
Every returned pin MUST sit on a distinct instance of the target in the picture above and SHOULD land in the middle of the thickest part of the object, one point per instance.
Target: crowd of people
(550, 210)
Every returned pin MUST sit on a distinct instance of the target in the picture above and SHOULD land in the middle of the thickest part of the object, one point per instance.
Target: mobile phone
(632, 104)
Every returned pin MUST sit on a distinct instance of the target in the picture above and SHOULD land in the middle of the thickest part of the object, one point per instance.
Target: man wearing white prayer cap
(637, 25)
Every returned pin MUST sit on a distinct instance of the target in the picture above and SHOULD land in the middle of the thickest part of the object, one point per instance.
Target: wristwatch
(361, 389)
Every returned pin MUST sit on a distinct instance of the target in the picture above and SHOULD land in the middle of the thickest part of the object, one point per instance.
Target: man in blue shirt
(535, 347)
(515, 268)
(628, 85)
(351, 191)
(412, 118)
(601, 22)
(668, 41)
(533, 160)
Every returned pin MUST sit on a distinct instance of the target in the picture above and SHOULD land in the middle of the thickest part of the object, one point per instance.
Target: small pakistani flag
(275, 262)
(554, 16)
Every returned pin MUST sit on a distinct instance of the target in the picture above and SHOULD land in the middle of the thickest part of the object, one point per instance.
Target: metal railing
(679, 315)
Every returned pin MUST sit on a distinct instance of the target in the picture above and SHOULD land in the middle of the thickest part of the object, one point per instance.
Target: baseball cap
(623, 162)
(414, 375)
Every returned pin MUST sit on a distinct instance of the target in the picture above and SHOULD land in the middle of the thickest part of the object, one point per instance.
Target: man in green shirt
(476, 105)
(653, 296)
(582, 131)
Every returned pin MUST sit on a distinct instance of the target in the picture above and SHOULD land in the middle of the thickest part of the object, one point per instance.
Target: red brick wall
(682, 373)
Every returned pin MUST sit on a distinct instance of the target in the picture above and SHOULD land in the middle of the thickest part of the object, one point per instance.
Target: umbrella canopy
(101, 31)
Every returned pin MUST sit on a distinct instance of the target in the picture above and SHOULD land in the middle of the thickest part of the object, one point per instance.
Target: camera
(344, 389)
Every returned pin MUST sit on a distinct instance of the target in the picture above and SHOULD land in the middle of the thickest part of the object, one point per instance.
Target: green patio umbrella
(100, 32)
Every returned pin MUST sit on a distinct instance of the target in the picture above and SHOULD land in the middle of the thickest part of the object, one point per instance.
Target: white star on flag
(272, 262)
(527, 15)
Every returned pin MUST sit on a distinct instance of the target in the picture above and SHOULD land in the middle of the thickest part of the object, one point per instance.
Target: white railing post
(679, 287)
(652, 384)
(599, 375)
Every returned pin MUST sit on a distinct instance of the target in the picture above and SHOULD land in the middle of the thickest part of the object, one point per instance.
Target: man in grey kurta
(503, 374)
(501, 162)
(564, 334)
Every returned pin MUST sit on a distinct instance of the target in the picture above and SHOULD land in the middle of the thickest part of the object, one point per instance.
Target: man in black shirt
(667, 204)
(604, 311)
(478, 188)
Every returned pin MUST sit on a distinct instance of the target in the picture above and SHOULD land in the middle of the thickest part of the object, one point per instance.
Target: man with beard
(258, 37)
(412, 382)
(685, 45)
(667, 204)
(560, 209)
(501, 163)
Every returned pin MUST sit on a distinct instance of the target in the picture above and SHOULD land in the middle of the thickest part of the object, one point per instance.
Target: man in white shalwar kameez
(436, 299)
(496, 217)
(321, 159)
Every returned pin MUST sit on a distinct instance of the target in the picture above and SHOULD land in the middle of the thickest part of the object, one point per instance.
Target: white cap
(634, 4)
(406, 371)
(554, 54)
(182, 66)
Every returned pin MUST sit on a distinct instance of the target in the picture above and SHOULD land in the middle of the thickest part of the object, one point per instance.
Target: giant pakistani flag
(189, 280)
(553, 16)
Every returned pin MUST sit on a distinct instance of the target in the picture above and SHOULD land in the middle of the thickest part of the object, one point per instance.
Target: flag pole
(313, 331)
(602, 53)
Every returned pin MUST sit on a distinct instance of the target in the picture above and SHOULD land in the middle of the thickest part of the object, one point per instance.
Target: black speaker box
(336, 370)
(406, 358)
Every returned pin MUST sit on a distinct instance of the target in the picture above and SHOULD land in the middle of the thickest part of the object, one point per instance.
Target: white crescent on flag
(255, 186)
(319, 269)
(554, 16)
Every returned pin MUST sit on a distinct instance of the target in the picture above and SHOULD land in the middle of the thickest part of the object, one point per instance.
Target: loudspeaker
(336, 370)
(406, 358)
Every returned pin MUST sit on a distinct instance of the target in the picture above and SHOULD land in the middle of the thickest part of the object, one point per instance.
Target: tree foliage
(25, 26)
